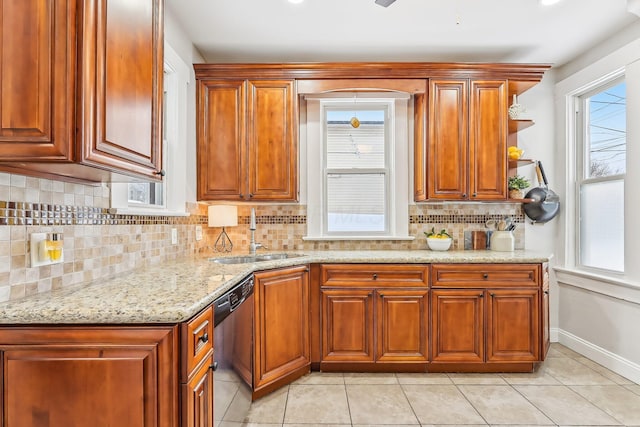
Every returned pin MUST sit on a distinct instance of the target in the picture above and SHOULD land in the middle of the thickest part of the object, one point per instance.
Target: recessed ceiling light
(548, 2)
(296, 1)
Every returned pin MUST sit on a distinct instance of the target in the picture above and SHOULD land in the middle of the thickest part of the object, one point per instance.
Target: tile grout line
(286, 403)
(404, 393)
(467, 399)
(346, 395)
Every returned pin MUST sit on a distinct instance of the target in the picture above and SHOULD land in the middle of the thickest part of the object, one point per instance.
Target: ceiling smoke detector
(384, 3)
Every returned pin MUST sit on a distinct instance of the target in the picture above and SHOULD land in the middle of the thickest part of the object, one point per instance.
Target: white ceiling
(408, 30)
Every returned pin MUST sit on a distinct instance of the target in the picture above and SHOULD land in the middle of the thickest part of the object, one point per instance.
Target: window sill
(329, 238)
(146, 212)
(622, 288)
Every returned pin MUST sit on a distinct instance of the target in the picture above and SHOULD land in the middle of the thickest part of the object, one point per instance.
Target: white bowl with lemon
(438, 241)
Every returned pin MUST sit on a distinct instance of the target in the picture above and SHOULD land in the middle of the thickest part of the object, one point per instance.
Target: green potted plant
(516, 185)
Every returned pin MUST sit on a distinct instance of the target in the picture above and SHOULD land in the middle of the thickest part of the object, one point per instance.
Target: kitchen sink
(247, 259)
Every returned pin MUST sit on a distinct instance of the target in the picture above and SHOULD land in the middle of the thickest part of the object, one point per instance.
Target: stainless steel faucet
(252, 226)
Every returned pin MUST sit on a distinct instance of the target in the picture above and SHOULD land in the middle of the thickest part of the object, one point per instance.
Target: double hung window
(356, 170)
(357, 166)
(600, 172)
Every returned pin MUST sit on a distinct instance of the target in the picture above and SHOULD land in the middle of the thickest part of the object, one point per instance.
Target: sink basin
(247, 259)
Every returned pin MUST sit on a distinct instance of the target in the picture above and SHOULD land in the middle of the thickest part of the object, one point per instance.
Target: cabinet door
(66, 376)
(272, 140)
(447, 155)
(198, 397)
(37, 45)
(512, 325)
(546, 339)
(347, 325)
(402, 325)
(457, 322)
(121, 57)
(281, 324)
(221, 150)
(488, 140)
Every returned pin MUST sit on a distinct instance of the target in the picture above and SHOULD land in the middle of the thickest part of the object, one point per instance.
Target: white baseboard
(554, 333)
(609, 360)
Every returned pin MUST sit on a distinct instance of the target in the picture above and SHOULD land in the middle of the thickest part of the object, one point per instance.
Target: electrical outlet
(174, 236)
(198, 232)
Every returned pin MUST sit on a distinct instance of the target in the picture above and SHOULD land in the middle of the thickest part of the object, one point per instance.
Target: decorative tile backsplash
(99, 244)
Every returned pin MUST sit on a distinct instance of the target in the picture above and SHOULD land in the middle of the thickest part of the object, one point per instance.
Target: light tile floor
(567, 390)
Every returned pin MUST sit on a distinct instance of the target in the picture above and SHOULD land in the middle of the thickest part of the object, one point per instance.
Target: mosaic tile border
(24, 213)
(463, 219)
(274, 219)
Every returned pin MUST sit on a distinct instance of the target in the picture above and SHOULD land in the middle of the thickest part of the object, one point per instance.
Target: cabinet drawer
(485, 275)
(375, 275)
(197, 340)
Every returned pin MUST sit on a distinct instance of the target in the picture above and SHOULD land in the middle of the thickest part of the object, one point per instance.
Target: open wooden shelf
(520, 162)
(523, 200)
(518, 125)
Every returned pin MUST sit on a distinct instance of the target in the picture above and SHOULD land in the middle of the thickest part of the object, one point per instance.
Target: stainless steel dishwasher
(233, 353)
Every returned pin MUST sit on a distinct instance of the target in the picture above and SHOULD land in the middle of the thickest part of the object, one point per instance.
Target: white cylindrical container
(502, 241)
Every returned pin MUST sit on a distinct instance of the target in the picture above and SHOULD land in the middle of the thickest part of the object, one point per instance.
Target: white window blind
(356, 171)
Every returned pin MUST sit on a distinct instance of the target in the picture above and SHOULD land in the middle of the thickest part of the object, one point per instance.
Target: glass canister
(502, 241)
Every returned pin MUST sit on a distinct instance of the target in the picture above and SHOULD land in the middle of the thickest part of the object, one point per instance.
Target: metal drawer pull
(375, 276)
(204, 338)
(485, 275)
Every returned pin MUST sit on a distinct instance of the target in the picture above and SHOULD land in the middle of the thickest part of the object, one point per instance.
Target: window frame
(398, 187)
(582, 165)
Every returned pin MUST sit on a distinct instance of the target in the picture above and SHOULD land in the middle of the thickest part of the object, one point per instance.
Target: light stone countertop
(177, 290)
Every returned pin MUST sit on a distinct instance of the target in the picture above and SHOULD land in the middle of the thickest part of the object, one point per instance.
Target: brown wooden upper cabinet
(247, 140)
(81, 89)
(467, 140)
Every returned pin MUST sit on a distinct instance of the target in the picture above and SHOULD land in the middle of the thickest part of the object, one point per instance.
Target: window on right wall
(600, 172)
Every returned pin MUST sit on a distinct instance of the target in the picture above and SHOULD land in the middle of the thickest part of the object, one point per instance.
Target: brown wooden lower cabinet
(402, 325)
(464, 319)
(347, 325)
(161, 376)
(546, 338)
(373, 315)
(281, 340)
(197, 397)
(486, 317)
(73, 377)
(457, 325)
(381, 326)
(513, 325)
